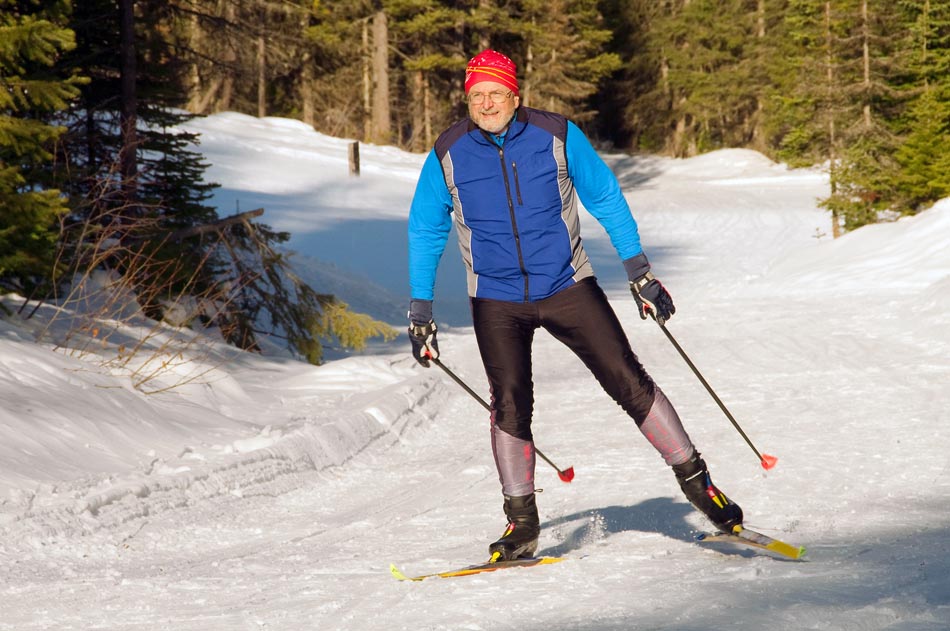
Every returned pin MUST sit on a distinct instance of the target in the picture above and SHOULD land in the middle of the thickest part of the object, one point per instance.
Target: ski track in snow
(277, 498)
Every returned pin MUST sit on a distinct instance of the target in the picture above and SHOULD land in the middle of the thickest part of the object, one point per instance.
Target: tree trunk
(866, 52)
(678, 142)
(306, 92)
(427, 108)
(367, 83)
(381, 125)
(925, 40)
(832, 136)
(307, 113)
(129, 105)
(483, 41)
(261, 78)
(527, 80)
(418, 113)
(200, 103)
(196, 98)
(230, 61)
(759, 142)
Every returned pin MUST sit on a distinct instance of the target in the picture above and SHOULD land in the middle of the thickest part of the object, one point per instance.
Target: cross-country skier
(510, 178)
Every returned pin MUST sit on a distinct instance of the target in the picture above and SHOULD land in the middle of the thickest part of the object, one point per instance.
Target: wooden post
(354, 158)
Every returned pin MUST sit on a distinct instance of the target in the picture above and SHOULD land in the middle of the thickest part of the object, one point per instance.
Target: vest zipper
(514, 168)
(514, 222)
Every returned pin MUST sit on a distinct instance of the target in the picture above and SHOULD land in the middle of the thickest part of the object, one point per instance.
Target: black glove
(651, 297)
(422, 332)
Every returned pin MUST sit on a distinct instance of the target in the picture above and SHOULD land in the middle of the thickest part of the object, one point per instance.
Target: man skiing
(510, 178)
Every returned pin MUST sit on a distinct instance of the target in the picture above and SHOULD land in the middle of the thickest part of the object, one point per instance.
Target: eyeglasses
(477, 98)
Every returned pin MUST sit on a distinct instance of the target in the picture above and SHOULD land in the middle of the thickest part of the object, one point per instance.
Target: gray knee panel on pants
(663, 428)
(515, 461)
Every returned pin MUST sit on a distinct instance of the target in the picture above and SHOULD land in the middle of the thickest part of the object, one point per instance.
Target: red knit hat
(490, 65)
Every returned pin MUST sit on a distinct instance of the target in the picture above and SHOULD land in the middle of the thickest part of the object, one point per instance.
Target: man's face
(491, 116)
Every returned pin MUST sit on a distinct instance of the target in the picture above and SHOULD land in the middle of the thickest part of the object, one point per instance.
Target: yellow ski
(744, 536)
(477, 569)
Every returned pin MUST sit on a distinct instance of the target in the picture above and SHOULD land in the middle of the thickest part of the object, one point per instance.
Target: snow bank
(910, 254)
(83, 450)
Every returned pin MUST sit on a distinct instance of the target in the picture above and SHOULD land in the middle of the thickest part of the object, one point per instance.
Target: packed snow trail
(316, 556)
(301, 485)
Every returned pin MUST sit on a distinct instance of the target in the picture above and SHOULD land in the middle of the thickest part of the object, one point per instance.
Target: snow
(270, 494)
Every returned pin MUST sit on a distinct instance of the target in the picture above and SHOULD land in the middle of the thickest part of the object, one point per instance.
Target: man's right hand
(425, 346)
(422, 331)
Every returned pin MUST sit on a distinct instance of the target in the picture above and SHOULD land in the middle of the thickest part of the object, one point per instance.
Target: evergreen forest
(96, 175)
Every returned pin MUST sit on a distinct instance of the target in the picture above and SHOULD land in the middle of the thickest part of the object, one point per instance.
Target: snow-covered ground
(270, 494)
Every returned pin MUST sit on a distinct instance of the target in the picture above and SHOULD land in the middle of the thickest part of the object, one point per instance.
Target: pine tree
(705, 88)
(924, 154)
(562, 46)
(272, 300)
(630, 106)
(767, 65)
(337, 37)
(875, 76)
(31, 41)
(132, 169)
(802, 78)
(150, 221)
(429, 61)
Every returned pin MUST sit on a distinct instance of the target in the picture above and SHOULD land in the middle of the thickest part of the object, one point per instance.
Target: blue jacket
(515, 209)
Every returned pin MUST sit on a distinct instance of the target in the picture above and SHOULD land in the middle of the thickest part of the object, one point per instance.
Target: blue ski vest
(514, 201)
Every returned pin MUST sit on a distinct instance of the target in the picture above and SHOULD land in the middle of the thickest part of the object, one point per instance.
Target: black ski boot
(521, 536)
(694, 479)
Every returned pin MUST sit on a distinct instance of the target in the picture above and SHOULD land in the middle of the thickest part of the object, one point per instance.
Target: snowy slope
(273, 495)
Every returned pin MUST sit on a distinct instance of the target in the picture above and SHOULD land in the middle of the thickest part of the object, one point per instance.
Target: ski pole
(566, 475)
(766, 460)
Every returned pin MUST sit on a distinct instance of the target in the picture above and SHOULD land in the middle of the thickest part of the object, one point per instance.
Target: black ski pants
(582, 319)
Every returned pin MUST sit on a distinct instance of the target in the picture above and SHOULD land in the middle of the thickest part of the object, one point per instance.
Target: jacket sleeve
(599, 191)
(430, 220)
